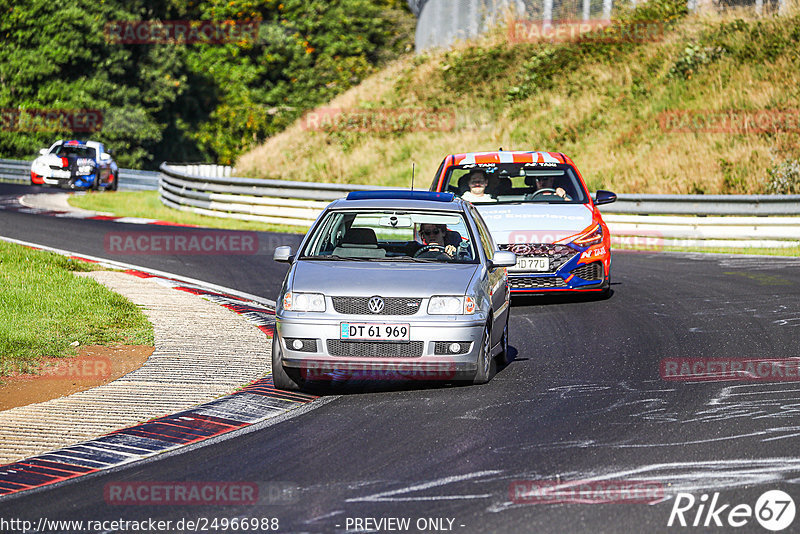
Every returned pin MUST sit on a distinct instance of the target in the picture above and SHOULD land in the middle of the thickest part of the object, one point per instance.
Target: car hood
(534, 223)
(52, 159)
(388, 279)
(48, 159)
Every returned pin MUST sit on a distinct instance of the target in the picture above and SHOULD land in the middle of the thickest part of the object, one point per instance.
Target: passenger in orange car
(477, 188)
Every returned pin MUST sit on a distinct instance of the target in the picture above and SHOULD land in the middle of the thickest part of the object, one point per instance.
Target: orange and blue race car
(536, 205)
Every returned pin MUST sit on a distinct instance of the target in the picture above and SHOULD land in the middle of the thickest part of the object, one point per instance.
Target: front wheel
(606, 292)
(283, 378)
(487, 366)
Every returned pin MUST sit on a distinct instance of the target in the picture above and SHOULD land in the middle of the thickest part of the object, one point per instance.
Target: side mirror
(105, 156)
(604, 197)
(503, 258)
(44, 151)
(282, 254)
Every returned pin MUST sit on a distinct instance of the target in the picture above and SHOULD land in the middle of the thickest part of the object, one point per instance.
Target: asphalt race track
(583, 399)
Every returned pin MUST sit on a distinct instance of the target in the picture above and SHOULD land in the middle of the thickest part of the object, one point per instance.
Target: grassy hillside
(598, 102)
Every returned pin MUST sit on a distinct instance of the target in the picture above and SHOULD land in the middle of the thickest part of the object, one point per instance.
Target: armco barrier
(19, 171)
(204, 190)
(681, 220)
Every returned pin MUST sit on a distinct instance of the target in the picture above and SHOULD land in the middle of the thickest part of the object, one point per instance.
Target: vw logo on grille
(375, 304)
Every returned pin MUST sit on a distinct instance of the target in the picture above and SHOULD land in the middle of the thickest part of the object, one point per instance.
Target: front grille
(374, 349)
(535, 282)
(558, 254)
(391, 305)
(443, 347)
(590, 271)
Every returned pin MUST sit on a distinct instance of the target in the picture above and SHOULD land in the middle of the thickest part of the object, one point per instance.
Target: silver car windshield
(426, 237)
(516, 182)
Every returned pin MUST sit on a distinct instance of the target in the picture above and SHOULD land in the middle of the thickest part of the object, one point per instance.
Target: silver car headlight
(304, 302)
(85, 169)
(451, 305)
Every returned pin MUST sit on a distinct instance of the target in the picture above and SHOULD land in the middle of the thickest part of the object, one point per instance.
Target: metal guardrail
(253, 199)
(694, 220)
(19, 172)
(746, 205)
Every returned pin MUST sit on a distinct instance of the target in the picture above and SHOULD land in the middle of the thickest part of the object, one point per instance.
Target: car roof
(400, 200)
(508, 156)
(76, 142)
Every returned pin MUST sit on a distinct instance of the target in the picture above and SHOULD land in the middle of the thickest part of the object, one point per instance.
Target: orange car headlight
(593, 237)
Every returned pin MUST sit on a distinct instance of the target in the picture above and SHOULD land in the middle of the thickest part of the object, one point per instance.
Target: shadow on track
(561, 298)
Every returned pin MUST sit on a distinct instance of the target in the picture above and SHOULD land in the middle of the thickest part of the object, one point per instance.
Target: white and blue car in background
(75, 164)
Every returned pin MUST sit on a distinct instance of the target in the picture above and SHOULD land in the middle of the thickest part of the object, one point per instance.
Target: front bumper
(64, 178)
(568, 274)
(423, 357)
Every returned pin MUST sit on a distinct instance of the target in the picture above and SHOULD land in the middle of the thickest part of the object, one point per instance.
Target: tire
(115, 182)
(502, 358)
(606, 292)
(283, 378)
(487, 366)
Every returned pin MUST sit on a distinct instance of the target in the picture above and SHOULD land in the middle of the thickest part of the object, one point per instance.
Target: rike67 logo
(774, 510)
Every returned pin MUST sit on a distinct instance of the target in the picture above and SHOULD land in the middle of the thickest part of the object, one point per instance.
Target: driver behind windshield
(437, 234)
(545, 185)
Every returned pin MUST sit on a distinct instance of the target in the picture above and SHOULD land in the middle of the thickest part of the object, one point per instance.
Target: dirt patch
(95, 365)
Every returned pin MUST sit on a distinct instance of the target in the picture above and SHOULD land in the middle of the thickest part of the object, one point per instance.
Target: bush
(693, 58)
(784, 178)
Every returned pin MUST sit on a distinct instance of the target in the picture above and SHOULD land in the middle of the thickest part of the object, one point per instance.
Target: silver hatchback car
(400, 284)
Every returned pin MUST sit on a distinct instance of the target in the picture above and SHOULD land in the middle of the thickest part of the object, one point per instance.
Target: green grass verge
(146, 204)
(44, 308)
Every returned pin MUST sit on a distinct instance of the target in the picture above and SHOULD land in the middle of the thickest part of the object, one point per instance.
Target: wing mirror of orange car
(604, 197)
